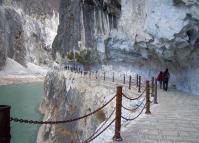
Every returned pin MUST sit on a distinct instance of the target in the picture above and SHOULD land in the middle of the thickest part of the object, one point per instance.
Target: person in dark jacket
(160, 78)
(166, 77)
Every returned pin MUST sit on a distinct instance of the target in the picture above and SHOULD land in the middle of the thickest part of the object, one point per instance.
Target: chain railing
(94, 134)
(127, 97)
(134, 109)
(6, 119)
(131, 119)
(88, 141)
(61, 122)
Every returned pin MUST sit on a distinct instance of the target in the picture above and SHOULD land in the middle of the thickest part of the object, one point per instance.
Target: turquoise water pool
(24, 100)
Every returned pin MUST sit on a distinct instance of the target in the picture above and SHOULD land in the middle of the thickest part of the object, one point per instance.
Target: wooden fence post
(130, 82)
(5, 124)
(124, 79)
(117, 136)
(137, 80)
(139, 84)
(152, 87)
(148, 98)
(156, 90)
(113, 77)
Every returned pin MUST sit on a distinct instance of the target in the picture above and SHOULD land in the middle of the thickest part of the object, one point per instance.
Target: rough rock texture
(29, 28)
(159, 34)
(12, 35)
(81, 21)
(2, 51)
(68, 96)
(35, 7)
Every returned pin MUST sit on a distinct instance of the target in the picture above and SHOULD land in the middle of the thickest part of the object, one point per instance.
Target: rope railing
(133, 81)
(60, 122)
(148, 89)
(136, 97)
(131, 119)
(87, 141)
(104, 123)
(107, 75)
(134, 109)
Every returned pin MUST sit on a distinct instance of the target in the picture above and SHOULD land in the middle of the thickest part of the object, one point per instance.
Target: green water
(24, 101)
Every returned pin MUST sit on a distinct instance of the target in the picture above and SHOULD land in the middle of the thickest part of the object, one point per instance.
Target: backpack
(166, 75)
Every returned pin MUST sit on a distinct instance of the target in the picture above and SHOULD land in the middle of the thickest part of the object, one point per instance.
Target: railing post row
(5, 124)
(147, 98)
(117, 136)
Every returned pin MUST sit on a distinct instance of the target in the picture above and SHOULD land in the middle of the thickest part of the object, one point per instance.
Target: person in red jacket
(160, 78)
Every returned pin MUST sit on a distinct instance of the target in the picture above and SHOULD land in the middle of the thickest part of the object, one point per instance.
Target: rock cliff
(82, 23)
(145, 36)
(27, 30)
(67, 96)
(12, 36)
(158, 34)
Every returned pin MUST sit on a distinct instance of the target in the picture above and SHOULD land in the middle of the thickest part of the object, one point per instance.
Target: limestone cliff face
(81, 23)
(67, 96)
(35, 7)
(149, 36)
(12, 36)
(2, 51)
(27, 29)
(158, 34)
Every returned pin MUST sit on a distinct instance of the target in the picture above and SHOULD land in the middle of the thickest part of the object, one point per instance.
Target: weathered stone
(13, 39)
(81, 21)
(35, 7)
(2, 50)
(68, 95)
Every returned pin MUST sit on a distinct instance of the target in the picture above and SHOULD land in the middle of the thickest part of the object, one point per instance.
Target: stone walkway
(174, 120)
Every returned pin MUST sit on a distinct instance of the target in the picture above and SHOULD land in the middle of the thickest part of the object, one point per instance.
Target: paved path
(174, 120)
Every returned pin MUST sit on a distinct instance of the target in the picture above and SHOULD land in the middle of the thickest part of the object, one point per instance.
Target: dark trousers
(160, 84)
(165, 85)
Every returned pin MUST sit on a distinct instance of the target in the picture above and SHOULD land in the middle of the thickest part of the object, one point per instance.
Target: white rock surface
(14, 68)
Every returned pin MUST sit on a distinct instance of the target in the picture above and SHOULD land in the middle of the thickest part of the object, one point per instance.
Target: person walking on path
(166, 77)
(160, 78)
